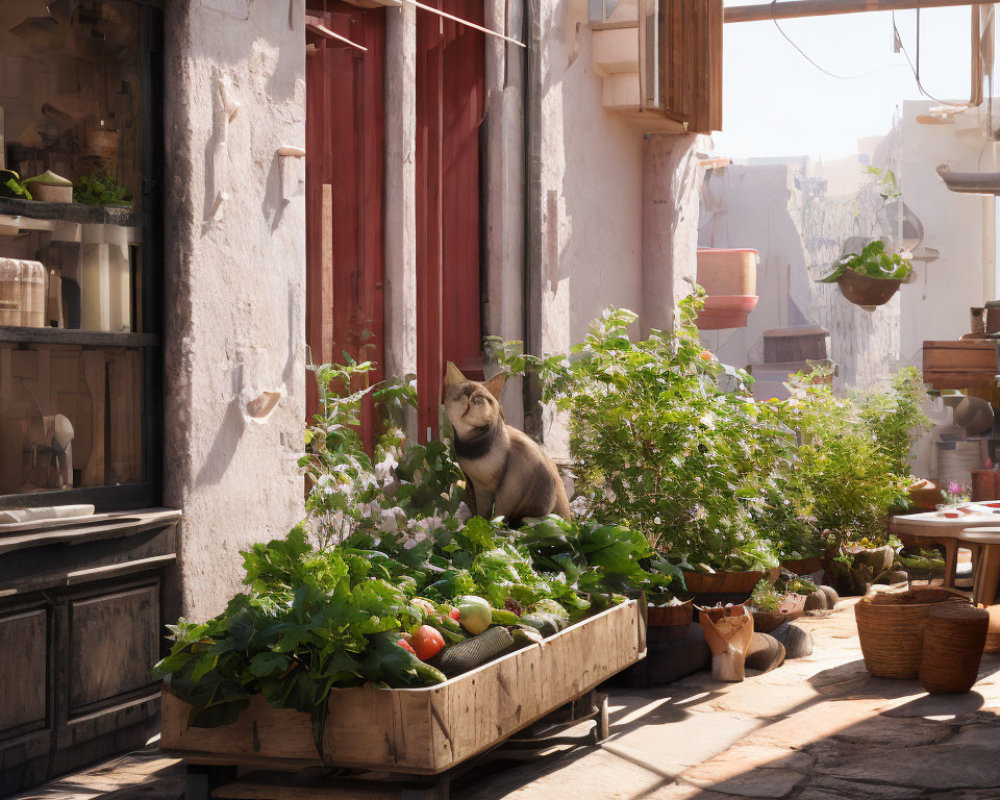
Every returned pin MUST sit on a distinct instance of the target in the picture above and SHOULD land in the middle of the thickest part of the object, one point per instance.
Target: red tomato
(427, 642)
(406, 646)
(455, 614)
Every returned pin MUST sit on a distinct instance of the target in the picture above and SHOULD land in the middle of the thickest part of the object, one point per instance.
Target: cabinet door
(113, 646)
(25, 715)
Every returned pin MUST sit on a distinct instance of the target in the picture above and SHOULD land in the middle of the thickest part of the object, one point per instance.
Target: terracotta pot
(985, 485)
(727, 271)
(725, 311)
(792, 607)
(804, 566)
(867, 292)
(669, 616)
(722, 582)
(927, 497)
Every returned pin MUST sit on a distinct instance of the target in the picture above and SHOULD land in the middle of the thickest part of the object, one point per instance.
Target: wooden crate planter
(423, 731)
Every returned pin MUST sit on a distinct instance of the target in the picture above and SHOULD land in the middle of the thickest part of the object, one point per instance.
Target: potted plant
(729, 277)
(670, 443)
(870, 278)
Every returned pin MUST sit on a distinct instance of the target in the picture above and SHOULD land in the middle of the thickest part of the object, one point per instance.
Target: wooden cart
(426, 731)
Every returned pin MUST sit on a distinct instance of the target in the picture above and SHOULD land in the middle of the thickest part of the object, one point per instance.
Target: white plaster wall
(936, 305)
(591, 189)
(235, 285)
(591, 197)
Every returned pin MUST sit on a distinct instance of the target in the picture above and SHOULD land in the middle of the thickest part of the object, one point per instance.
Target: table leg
(987, 576)
(950, 562)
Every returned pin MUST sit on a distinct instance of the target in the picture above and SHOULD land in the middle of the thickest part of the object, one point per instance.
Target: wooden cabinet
(79, 634)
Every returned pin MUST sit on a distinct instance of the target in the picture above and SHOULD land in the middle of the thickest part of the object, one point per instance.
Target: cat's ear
(495, 384)
(453, 375)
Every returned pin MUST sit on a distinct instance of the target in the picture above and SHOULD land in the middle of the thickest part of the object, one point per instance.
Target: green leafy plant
(765, 597)
(895, 416)
(873, 262)
(668, 442)
(100, 189)
(849, 475)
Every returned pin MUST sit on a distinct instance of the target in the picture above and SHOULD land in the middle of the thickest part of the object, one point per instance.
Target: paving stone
(937, 705)
(986, 736)
(895, 732)
(743, 758)
(943, 766)
(771, 783)
(669, 749)
(766, 699)
(817, 722)
(855, 790)
(598, 775)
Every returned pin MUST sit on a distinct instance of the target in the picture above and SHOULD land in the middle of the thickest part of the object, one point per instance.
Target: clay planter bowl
(722, 582)
(803, 566)
(867, 292)
(792, 607)
(670, 616)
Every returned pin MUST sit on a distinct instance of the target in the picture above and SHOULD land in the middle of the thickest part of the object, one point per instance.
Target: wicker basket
(993, 633)
(891, 628)
(954, 635)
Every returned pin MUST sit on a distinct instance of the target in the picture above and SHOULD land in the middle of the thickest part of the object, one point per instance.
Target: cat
(508, 473)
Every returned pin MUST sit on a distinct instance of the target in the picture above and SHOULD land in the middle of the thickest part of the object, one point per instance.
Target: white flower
(390, 519)
(580, 506)
(385, 468)
(463, 514)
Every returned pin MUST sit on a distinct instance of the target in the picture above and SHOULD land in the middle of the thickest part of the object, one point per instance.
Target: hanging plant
(870, 278)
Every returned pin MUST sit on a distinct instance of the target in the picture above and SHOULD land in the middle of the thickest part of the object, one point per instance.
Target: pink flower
(954, 488)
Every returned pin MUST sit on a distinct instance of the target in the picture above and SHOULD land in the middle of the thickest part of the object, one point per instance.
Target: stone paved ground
(818, 728)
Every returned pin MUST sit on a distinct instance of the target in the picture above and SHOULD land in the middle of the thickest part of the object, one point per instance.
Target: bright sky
(778, 104)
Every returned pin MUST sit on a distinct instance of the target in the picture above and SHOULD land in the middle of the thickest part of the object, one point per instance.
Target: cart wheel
(602, 728)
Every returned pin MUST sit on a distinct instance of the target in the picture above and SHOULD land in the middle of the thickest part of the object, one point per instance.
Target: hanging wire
(914, 68)
(825, 71)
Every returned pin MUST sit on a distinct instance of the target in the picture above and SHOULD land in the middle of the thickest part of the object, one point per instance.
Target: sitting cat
(508, 473)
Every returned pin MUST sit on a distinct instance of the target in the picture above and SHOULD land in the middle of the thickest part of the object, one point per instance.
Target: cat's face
(471, 405)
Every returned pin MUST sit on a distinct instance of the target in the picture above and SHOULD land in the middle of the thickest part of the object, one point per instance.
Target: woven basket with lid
(891, 628)
(954, 635)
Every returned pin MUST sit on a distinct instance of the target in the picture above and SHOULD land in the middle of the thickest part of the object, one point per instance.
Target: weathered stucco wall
(782, 211)
(959, 226)
(235, 280)
(591, 170)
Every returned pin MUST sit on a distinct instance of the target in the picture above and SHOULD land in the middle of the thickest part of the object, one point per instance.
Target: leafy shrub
(667, 441)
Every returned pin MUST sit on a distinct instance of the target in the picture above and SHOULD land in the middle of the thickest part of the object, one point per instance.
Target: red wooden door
(449, 113)
(345, 132)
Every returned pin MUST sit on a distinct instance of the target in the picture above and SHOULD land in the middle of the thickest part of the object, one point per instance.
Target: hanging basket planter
(870, 278)
(867, 292)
